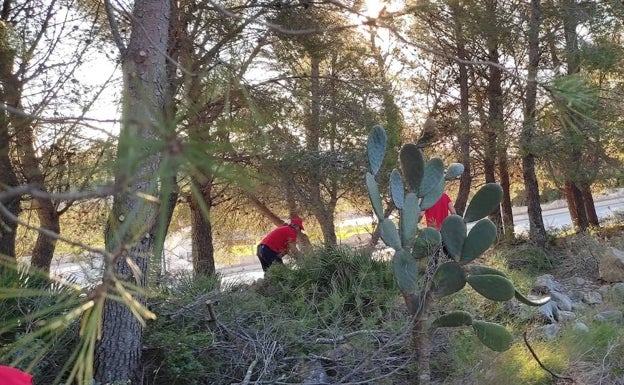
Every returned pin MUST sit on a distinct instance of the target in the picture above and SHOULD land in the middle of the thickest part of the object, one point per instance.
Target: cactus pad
(374, 195)
(453, 234)
(390, 234)
(453, 319)
(376, 148)
(480, 238)
(396, 189)
(448, 279)
(492, 286)
(487, 198)
(492, 335)
(405, 269)
(413, 165)
(428, 238)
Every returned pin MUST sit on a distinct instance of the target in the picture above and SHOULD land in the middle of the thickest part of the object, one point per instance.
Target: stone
(581, 327)
(544, 284)
(592, 298)
(563, 301)
(566, 316)
(611, 265)
(617, 291)
(615, 316)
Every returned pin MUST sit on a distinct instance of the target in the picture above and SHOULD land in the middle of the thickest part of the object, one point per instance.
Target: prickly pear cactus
(448, 253)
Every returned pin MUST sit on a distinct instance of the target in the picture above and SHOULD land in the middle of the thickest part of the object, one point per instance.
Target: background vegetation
(124, 123)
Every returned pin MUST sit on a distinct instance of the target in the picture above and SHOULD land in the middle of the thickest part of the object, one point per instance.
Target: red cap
(297, 221)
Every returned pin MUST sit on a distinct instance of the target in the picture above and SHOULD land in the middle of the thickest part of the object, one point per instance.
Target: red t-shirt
(278, 239)
(436, 213)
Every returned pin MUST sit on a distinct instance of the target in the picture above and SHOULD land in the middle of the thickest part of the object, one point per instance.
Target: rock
(544, 284)
(565, 316)
(563, 301)
(575, 295)
(615, 316)
(611, 265)
(581, 327)
(547, 332)
(617, 291)
(592, 298)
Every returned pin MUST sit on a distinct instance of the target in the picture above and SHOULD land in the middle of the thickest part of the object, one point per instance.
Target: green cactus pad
(432, 196)
(492, 286)
(390, 234)
(453, 171)
(448, 279)
(427, 239)
(482, 270)
(374, 195)
(409, 219)
(397, 189)
(531, 301)
(454, 319)
(405, 269)
(492, 335)
(413, 165)
(484, 202)
(480, 238)
(434, 172)
(376, 148)
(453, 235)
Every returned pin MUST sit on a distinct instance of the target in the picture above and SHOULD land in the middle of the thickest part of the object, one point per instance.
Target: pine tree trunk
(201, 235)
(133, 221)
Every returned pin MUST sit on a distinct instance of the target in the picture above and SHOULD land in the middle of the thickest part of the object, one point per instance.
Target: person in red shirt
(440, 210)
(278, 243)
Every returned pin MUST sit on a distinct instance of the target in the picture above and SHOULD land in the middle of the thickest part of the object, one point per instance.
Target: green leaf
(453, 234)
(390, 234)
(453, 171)
(397, 189)
(427, 239)
(409, 219)
(376, 148)
(405, 269)
(432, 196)
(433, 174)
(531, 301)
(375, 197)
(480, 238)
(492, 335)
(484, 202)
(448, 279)
(492, 286)
(482, 270)
(413, 165)
(454, 319)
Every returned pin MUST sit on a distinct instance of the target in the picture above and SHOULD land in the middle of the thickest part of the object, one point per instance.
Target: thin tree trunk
(201, 234)
(590, 207)
(8, 179)
(9, 95)
(43, 251)
(495, 109)
(507, 213)
(537, 231)
(465, 180)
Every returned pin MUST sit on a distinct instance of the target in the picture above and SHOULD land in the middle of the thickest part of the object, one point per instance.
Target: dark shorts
(267, 256)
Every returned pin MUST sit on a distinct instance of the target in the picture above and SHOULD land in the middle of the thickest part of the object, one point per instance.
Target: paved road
(555, 218)
(177, 256)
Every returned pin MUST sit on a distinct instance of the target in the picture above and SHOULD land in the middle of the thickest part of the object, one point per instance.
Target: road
(177, 255)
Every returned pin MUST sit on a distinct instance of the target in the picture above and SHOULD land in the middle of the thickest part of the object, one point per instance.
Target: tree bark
(465, 180)
(132, 224)
(537, 231)
(9, 95)
(201, 233)
(495, 109)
